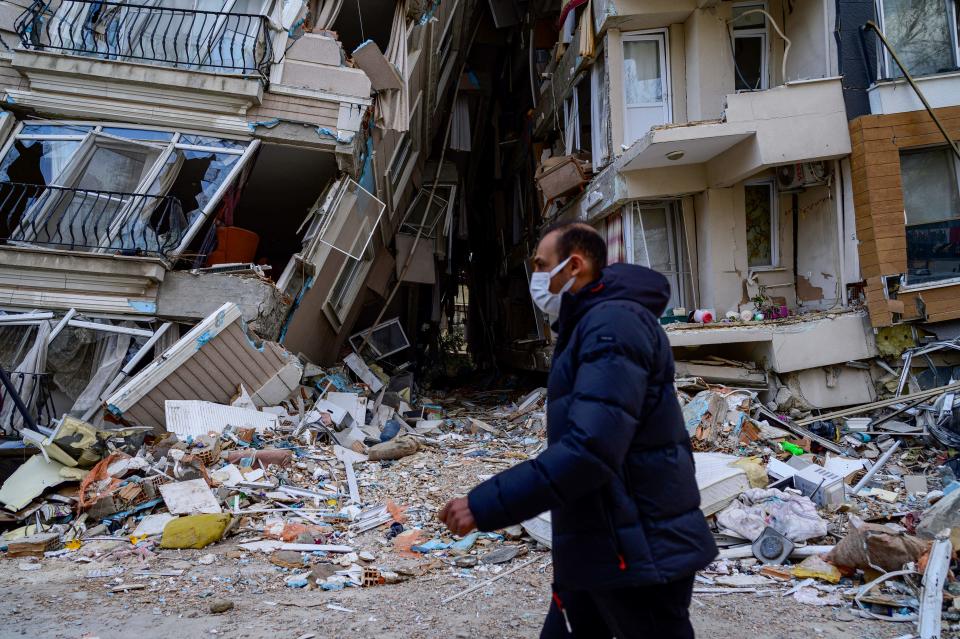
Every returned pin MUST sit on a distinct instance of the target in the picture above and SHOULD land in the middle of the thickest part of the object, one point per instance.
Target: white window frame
(674, 217)
(764, 35)
(443, 52)
(887, 68)
(400, 167)
(663, 37)
(246, 153)
(600, 122)
(571, 122)
(353, 273)
(774, 223)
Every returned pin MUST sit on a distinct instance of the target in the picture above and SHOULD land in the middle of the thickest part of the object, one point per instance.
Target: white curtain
(33, 363)
(460, 133)
(327, 12)
(110, 354)
(395, 104)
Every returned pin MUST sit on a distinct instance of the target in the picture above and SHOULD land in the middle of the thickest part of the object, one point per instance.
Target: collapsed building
(374, 178)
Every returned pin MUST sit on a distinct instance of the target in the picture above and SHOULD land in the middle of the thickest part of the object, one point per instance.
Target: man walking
(618, 474)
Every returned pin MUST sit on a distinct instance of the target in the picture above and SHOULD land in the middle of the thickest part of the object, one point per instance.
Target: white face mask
(546, 301)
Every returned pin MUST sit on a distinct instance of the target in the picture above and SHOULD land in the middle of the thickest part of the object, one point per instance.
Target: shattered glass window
(36, 161)
(201, 174)
(931, 202)
(204, 140)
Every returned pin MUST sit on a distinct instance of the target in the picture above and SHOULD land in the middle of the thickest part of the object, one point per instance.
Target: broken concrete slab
(383, 75)
(189, 297)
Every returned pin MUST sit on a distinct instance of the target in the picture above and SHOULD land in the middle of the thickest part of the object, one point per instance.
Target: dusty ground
(60, 600)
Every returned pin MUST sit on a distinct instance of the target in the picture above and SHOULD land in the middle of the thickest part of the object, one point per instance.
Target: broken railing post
(14, 396)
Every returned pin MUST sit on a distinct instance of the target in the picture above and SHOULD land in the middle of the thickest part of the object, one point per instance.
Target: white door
(646, 83)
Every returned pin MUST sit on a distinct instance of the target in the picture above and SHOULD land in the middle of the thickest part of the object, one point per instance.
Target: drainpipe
(893, 54)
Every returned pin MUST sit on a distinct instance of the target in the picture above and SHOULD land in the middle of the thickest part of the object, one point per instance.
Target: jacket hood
(617, 282)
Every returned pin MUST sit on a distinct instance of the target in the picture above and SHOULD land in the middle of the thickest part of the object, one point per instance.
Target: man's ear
(577, 264)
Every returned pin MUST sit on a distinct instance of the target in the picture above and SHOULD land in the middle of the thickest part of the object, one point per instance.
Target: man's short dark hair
(572, 235)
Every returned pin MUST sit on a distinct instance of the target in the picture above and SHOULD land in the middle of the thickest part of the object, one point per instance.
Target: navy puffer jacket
(618, 473)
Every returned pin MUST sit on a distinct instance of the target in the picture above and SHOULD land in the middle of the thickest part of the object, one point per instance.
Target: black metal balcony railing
(181, 38)
(77, 219)
(21, 392)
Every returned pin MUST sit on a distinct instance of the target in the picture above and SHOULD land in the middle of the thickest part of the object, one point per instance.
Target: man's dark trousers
(645, 612)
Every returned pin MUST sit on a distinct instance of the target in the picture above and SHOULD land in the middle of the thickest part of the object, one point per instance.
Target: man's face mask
(546, 301)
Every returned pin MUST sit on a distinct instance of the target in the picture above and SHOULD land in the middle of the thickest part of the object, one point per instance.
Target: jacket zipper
(622, 562)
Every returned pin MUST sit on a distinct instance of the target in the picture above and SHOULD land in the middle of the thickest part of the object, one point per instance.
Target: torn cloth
(793, 516)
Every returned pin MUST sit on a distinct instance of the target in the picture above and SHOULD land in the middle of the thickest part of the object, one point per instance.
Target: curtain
(327, 12)
(614, 235)
(111, 350)
(586, 32)
(460, 133)
(394, 112)
(33, 363)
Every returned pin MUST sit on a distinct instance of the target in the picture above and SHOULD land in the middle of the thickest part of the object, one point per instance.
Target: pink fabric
(613, 231)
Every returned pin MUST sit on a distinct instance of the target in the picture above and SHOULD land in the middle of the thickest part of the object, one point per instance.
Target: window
(656, 239)
(646, 83)
(931, 204)
(93, 187)
(760, 206)
(350, 279)
(922, 32)
(749, 47)
(444, 52)
(600, 98)
(441, 210)
(571, 123)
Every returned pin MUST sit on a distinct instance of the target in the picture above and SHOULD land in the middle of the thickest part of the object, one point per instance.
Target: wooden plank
(898, 243)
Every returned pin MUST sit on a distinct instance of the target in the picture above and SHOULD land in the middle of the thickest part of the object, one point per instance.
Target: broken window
(658, 241)
(384, 339)
(571, 123)
(760, 207)
(931, 202)
(922, 32)
(350, 216)
(646, 83)
(750, 46)
(441, 208)
(114, 188)
(350, 279)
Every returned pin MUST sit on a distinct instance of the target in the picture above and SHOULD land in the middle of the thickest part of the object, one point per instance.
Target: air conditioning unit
(795, 177)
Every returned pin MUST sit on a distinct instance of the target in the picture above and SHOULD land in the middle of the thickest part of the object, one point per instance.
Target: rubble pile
(856, 509)
(335, 486)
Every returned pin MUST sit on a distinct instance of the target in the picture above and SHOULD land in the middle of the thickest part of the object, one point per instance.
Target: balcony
(106, 222)
(211, 41)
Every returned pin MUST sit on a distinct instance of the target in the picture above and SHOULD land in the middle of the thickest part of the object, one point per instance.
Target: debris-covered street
(284, 283)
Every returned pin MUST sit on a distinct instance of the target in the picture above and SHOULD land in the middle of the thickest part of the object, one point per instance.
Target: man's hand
(457, 516)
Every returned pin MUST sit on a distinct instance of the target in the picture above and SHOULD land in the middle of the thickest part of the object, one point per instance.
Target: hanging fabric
(30, 367)
(614, 237)
(394, 105)
(460, 133)
(327, 13)
(586, 32)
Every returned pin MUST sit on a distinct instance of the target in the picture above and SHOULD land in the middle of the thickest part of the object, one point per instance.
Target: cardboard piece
(189, 498)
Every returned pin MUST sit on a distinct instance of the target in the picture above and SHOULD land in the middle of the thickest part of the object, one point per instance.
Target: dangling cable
(360, 16)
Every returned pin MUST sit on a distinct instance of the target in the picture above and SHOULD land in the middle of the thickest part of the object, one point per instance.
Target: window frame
(674, 217)
(167, 147)
(774, 224)
(600, 129)
(352, 275)
(887, 69)
(443, 52)
(956, 170)
(662, 36)
(764, 35)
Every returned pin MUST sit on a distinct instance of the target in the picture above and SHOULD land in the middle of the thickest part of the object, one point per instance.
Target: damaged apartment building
(709, 141)
(374, 175)
(159, 160)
